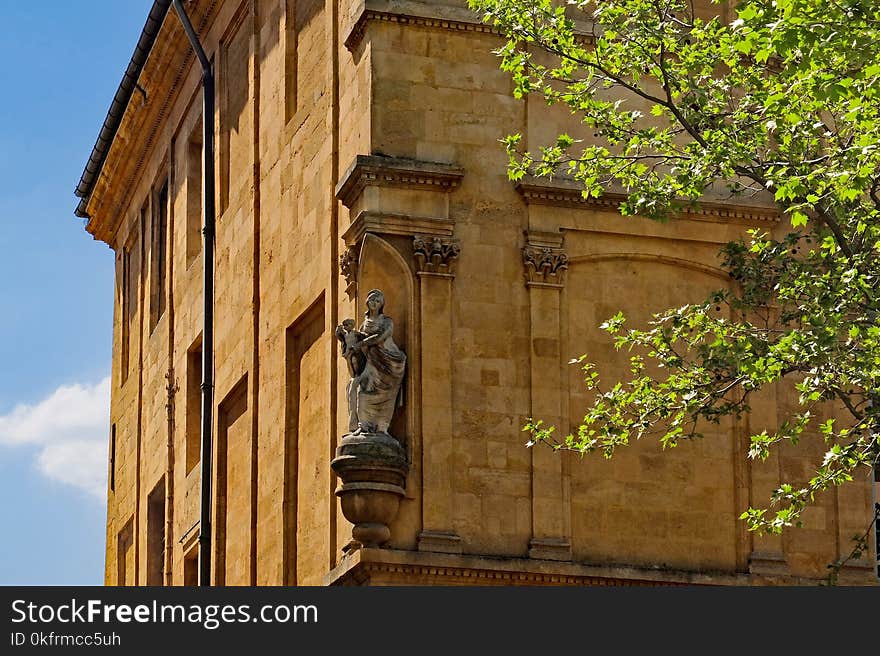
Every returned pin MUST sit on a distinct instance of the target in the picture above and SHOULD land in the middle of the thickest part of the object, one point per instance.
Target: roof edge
(120, 101)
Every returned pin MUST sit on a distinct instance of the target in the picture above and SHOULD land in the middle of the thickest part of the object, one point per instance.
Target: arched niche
(381, 266)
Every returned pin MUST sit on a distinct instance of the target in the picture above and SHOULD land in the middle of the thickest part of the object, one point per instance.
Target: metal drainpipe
(208, 295)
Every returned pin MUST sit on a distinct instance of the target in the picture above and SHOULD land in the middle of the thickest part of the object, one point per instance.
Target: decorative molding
(544, 239)
(109, 209)
(568, 193)
(544, 266)
(386, 223)
(692, 265)
(432, 15)
(356, 35)
(382, 171)
(435, 256)
(391, 566)
(348, 267)
(463, 576)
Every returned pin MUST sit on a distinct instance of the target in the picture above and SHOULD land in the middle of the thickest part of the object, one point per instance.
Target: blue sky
(60, 64)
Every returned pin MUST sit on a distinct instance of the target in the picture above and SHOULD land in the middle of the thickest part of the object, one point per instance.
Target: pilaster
(767, 554)
(434, 259)
(545, 263)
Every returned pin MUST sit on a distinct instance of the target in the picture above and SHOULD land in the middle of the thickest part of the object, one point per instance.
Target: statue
(376, 366)
(371, 464)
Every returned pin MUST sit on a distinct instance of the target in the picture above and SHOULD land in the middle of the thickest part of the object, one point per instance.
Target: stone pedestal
(372, 468)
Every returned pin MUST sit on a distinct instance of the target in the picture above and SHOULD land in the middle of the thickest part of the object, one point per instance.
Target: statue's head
(375, 301)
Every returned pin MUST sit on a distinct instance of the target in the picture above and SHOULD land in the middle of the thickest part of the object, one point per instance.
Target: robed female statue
(376, 366)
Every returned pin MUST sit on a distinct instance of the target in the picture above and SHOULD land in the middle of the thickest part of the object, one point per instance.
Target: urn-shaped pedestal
(372, 468)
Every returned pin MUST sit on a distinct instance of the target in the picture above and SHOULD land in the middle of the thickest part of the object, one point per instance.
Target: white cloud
(70, 429)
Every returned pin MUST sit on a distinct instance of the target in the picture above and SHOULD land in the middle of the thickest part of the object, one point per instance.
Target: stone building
(357, 148)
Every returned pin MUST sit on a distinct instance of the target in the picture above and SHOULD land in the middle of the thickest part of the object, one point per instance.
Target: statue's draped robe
(379, 383)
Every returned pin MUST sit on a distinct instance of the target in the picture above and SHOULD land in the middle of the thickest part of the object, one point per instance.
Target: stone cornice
(161, 79)
(408, 12)
(382, 171)
(464, 576)
(425, 568)
(425, 14)
(384, 223)
(567, 193)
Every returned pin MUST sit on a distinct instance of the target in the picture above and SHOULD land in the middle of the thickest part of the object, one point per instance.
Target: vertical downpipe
(207, 331)
(208, 297)
(334, 263)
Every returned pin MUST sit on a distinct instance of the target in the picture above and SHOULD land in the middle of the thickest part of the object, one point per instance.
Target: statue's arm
(380, 337)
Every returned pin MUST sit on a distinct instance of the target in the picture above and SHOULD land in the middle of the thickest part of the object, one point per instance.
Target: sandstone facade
(365, 132)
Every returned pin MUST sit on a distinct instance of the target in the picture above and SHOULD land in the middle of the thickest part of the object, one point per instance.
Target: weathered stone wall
(276, 152)
(413, 86)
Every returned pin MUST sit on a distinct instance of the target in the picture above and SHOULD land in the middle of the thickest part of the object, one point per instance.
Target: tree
(784, 99)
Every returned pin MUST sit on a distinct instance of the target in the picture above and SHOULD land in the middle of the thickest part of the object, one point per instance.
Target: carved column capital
(544, 266)
(435, 256)
(348, 266)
